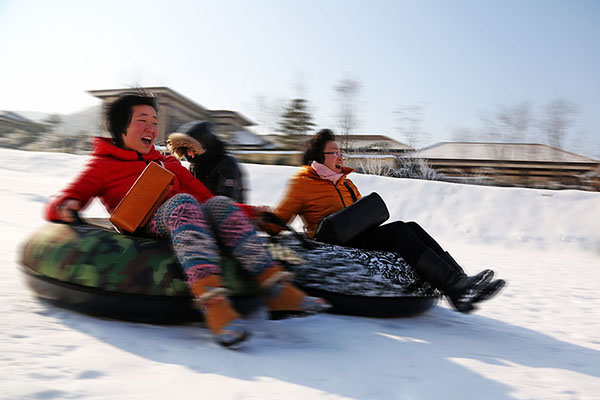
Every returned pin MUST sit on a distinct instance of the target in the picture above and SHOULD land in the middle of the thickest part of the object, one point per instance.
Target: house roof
(530, 152)
(13, 116)
(244, 121)
(168, 92)
(156, 90)
(361, 141)
(247, 138)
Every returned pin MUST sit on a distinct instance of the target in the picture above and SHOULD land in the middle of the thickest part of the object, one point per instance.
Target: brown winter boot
(226, 325)
(282, 295)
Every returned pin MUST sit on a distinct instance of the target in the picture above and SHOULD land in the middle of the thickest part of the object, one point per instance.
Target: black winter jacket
(222, 176)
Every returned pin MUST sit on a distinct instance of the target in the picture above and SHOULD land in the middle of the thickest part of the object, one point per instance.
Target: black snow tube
(368, 283)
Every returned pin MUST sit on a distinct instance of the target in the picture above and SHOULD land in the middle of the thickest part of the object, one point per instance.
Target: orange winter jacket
(313, 198)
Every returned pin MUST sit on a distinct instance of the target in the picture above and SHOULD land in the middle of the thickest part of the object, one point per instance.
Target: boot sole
(465, 304)
(235, 343)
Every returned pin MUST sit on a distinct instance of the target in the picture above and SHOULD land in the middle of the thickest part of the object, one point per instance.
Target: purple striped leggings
(198, 232)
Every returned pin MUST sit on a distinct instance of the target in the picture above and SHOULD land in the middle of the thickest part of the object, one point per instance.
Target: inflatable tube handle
(271, 218)
(77, 220)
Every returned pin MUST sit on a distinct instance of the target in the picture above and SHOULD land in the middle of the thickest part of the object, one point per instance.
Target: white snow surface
(538, 339)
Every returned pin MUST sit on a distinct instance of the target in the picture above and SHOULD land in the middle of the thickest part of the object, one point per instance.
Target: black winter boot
(450, 260)
(491, 288)
(459, 288)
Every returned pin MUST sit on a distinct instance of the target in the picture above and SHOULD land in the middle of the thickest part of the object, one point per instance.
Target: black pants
(407, 239)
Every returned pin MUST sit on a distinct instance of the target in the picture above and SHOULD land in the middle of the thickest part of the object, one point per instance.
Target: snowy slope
(537, 340)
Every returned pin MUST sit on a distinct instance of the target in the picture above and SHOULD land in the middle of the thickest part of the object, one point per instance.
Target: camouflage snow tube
(96, 270)
(99, 271)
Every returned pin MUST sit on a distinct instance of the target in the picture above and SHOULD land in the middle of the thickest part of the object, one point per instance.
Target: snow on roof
(373, 140)
(13, 116)
(501, 152)
(246, 138)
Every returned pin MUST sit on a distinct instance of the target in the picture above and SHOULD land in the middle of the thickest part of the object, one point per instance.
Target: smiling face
(333, 158)
(142, 129)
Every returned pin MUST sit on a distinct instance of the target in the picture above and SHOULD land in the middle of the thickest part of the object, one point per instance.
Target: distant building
(362, 150)
(512, 164)
(372, 152)
(9, 121)
(500, 164)
(229, 122)
(174, 110)
(245, 140)
(368, 144)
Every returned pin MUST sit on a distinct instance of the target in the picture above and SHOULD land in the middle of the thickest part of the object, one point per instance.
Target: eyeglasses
(337, 153)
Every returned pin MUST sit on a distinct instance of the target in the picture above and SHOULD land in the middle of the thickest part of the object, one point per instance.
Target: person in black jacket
(219, 171)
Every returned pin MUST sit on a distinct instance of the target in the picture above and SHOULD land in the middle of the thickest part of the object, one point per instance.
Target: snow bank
(537, 340)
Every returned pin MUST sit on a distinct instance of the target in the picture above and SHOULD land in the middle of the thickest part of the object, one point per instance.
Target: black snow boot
(491, 288)
(450, 260)
(459, 288)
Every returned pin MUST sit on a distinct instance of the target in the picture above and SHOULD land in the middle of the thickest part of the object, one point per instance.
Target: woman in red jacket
(196, 223)
(321, 188)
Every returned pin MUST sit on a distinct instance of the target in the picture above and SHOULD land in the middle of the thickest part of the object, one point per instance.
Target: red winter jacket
(112, 171)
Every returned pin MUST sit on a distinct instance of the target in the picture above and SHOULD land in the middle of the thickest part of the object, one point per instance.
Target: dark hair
(316, 146)
(118, 113)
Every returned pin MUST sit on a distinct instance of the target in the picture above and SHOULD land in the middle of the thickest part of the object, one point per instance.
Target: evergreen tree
(295, 123)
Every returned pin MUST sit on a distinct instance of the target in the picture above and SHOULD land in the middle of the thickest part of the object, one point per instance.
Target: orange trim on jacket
(313, 198)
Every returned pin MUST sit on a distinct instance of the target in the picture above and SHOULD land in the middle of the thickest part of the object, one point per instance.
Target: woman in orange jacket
(321, 188)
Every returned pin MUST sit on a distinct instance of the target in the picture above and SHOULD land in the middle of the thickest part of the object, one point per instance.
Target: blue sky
(459, 59)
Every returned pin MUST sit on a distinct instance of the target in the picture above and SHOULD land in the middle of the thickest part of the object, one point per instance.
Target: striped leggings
(198, 232)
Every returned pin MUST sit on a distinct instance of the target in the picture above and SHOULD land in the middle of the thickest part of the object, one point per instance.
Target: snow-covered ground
(539, 339)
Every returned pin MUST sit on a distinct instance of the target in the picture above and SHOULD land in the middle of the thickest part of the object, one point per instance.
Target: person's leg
(413, 246)
(425, 237)
(431, 243)
(396, 236)
(492, 287)
(182, 221)
(237, 235)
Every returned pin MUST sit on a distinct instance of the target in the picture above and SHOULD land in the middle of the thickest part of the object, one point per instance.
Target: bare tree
(514, 121)
(413, 167)
(408, 122)
(463, 134)
(347, 92)
(508, 124)
(557, 119)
